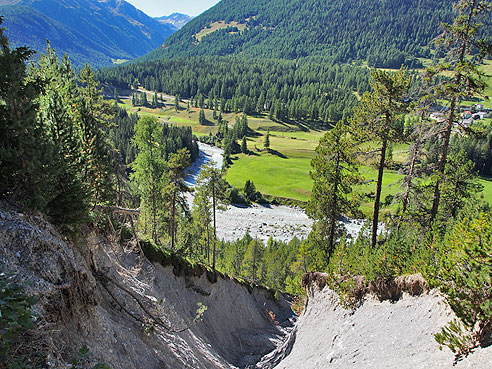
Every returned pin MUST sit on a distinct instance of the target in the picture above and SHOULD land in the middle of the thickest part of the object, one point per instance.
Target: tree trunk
(215, 234)
(442, 162)
(375, 216)
(334, 209)
(449, 126)
(410, 175)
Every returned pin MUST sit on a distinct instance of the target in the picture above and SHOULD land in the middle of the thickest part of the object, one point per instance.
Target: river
(262, 221)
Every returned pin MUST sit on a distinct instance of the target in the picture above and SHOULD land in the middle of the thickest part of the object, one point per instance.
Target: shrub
(464, 273)
(15, 318)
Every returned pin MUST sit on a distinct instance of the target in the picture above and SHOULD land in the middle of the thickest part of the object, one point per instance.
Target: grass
(283, 171)
(272, 175)
(219, 25)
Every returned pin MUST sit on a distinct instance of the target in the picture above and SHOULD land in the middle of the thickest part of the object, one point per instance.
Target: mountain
(177, 20)
(381, 32)
(97, 31)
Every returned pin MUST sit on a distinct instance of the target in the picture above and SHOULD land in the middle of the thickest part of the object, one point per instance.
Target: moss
(183, 267)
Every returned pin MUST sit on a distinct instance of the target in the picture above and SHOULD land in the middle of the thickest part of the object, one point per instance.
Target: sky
(158, 8)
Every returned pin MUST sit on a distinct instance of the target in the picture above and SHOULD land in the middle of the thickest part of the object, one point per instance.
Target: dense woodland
(306, 90)
(385, 33)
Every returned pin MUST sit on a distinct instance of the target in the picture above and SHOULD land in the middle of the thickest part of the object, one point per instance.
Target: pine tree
(24, 147)
(59, 114)
(244, 146)
(176, 102)
(94, 115)
(202, 219)
(201, 117)
(253, 258)
(149, 170)
(379, 117)
(460, 38)
(210, 181)
(334, 171)
(267, 139)
(154, 100)
(176, 188)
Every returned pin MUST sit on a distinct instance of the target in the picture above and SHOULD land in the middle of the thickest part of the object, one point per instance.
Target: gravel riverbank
(280, 222)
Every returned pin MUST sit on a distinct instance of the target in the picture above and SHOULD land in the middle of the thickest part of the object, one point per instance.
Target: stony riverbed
(280, 222)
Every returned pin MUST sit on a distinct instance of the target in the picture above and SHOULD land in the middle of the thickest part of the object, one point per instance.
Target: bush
(15, 318)
(463, 272)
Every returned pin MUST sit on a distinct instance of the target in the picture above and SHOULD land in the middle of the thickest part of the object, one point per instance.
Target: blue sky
(158, 8)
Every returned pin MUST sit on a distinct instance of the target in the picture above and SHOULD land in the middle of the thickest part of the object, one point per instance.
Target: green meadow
(283, 169)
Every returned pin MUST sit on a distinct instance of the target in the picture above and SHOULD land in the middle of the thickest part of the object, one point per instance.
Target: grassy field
(283, 170)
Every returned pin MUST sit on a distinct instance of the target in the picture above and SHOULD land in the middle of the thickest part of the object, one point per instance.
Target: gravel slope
(378, 335)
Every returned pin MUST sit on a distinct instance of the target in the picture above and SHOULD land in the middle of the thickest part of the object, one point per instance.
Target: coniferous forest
(304, 89)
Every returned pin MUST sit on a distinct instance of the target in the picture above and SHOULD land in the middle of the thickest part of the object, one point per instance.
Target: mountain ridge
(98, 31)
(384, 33)
(177, 20)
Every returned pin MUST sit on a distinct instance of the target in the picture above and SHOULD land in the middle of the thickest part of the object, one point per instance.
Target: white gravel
(377, 335)
(280, 222)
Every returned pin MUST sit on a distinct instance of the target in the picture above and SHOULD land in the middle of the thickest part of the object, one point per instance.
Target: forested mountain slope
(383, 32)
(96, 31)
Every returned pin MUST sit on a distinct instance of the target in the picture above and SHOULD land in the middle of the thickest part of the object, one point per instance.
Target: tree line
(304, 89)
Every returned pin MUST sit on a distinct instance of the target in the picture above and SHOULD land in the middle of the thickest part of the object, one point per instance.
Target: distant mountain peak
(94, 31)
(177, 20)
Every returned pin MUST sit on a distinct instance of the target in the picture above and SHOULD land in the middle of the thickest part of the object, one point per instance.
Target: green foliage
(273, 264)
(201, 118)
(82, 357)
(250, 192)
(175, 189)
(15, 318)
(301, 90)
(23, 152)
(149, 169)
(55, 157)
(334, 171)
(463, 272)
(460, 40)
(380, 117)
(267, 139)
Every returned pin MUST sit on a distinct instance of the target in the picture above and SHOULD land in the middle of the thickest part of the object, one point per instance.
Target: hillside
(104, 295)
(385, 33)
(93, 31)
(377, 334)
(101, 294)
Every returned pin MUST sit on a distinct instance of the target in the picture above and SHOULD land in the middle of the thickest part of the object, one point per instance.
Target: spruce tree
(201, 117)
(244, 146)
(267, 139)
(24, 147)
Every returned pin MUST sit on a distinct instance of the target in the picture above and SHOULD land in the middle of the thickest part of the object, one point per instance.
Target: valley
(282, 170)
(269, 184)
